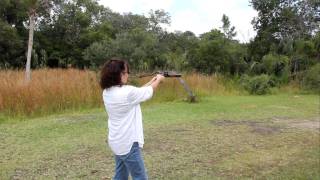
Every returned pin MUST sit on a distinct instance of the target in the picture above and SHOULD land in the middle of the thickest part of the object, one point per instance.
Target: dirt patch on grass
(275, 125)
(257, 127)
(313, 125)
(265, 130)
(310, 124)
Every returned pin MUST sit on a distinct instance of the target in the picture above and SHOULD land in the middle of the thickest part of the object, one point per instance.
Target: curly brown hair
(110, 74)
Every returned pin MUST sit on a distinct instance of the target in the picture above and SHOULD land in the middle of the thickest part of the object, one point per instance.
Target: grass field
(220, 137)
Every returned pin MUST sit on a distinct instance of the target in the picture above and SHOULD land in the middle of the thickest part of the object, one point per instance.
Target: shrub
(311, 80)
(257, 68)
(275, 64)
(257, 84)
(280, 80)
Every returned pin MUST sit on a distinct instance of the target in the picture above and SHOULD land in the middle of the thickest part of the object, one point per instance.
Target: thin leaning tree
(33, 6)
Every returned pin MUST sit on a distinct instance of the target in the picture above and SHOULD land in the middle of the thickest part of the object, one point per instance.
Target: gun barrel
(172, 75)
(168, 74)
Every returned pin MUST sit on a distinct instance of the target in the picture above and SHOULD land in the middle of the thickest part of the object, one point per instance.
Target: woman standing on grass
(122, 103)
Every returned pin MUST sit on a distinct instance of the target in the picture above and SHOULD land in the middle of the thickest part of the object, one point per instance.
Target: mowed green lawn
(220, 137)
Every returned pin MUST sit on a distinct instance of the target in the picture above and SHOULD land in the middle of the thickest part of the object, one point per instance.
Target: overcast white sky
(198, 16)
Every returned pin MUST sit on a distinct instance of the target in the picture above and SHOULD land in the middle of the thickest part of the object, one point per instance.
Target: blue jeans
(130, 163)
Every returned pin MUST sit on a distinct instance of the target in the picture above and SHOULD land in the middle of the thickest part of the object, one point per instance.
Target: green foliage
(280, 24)
(97, 53)
(137, 46)
(11, 46)
(256, 68)
(226, 27)
(311, 80)
(217, 54)
(317, 43)
(208, 57)
(178, 46)
(156, 18)
(286, 44)
(284, 19)
(305, 55)
(258, 85)
(237, 58)
(275, 64)
(306, 47)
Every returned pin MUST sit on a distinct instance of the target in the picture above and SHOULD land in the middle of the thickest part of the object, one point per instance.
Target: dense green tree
(237, 58)
(127, 22)
(210, 56)
(17, 14)
(217, 54)
(138, 46)
(177, 46)
(74, 26)
(12, 34)
(11, 46)
(285, 19)
(281, 23)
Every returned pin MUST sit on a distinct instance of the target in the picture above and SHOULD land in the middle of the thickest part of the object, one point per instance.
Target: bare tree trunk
(30, 43)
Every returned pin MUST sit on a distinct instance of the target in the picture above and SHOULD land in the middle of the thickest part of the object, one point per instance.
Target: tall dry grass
(201, 85)
(51, 90)
(56, 90)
